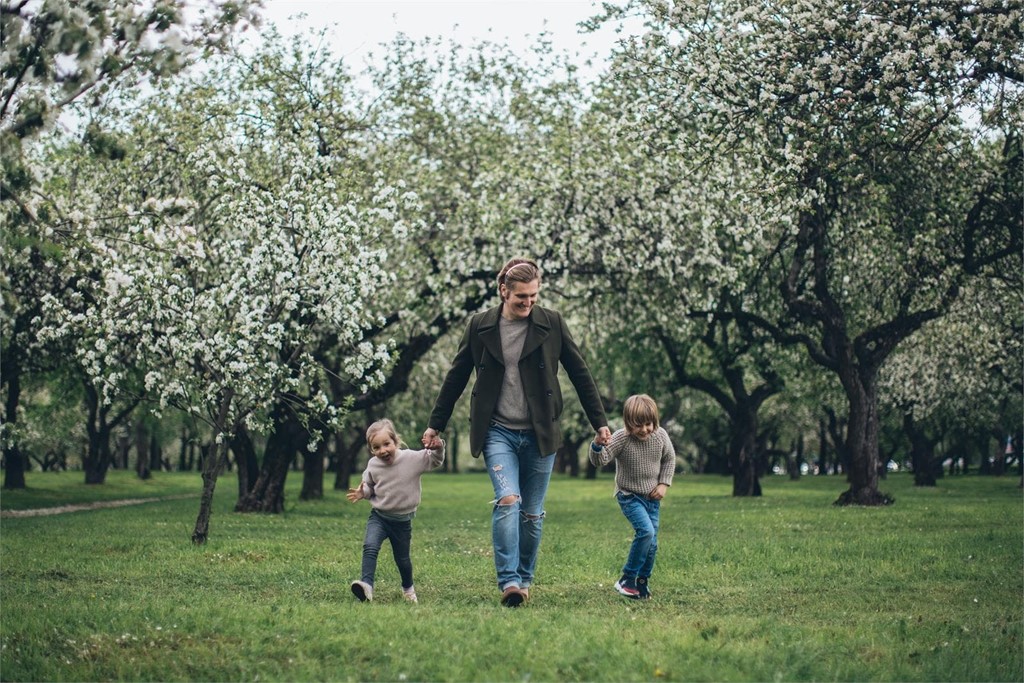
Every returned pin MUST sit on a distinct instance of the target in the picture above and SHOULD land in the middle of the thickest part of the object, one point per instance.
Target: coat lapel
(540, 327)
(490, 335)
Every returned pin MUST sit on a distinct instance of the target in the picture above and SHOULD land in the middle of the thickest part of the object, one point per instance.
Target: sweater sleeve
(435, 457)
(668, 459)
(611, 451)
(367, 483)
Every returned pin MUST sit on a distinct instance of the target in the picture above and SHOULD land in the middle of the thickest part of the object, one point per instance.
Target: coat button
(542, 364)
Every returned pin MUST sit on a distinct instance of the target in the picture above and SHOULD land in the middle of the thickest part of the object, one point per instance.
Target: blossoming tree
(873, 151)
(58, 55)
(216, 278)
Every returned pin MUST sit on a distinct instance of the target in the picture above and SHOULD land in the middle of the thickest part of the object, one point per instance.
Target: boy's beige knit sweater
(639, 465)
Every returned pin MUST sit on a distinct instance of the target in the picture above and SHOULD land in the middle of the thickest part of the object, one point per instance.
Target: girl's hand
(431, 439)
(355, 494)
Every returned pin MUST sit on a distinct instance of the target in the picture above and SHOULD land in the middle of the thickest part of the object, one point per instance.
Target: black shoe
(641, 586)
(627, 586)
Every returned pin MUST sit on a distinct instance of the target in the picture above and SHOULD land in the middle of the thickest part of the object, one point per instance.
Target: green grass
(52, 489)
(785, 587)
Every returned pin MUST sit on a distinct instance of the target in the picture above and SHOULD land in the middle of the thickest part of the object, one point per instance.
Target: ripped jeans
(517, 469)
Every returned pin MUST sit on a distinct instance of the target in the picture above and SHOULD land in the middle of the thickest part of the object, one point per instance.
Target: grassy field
(781, 588)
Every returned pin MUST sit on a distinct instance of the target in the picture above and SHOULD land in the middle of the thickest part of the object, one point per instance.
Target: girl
(391, 482)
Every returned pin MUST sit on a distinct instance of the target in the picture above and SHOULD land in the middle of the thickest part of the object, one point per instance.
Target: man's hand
(431, 439)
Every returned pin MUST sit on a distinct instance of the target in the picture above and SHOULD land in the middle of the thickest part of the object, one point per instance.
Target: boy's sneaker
(410, 594)
(363, 591)
(627, 586)
(641, 585)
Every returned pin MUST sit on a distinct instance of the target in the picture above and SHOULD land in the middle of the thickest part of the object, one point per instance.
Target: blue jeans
(518, 469)
(399, 533)
(643, 514)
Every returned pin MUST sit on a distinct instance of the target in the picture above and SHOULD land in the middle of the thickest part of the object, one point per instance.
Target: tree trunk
(922, 452)
(142, 455)
(267, 494)
(452, 453)
(347, 445)
(861, 446)
(743, 452)
(156, 454)
(98, 456)
(567, 458)
(245, 457)
(14, 459)
(183, 450)
(212, 465)
(123, 445)
(797, 460)
(211, 469)
(313, 472)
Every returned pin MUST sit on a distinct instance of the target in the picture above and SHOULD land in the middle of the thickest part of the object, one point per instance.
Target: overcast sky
(360, 25)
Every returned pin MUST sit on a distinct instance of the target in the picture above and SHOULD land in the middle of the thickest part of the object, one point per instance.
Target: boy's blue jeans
(518, 469)
(399, 533)
(643, 514)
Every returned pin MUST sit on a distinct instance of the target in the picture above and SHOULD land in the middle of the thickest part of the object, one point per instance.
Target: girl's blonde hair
(638, 410)
(518, 270)
(384, 425)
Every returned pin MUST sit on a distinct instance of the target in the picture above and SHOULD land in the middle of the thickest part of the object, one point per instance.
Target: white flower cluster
(225, 295)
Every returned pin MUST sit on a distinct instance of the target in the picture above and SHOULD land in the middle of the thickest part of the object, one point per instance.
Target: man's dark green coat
(548, 344)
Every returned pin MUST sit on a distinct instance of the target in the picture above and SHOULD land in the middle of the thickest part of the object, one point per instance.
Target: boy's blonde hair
(638, 410)
(384, 425)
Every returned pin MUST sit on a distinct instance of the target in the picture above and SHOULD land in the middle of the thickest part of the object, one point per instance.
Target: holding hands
(431, 439)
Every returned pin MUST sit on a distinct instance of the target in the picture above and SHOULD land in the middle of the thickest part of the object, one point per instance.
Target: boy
(644, 464)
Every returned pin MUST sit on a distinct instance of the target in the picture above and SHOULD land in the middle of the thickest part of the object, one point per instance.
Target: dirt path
(39, 512)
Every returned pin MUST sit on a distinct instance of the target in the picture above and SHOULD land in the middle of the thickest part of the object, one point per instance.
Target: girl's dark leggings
(399, 533)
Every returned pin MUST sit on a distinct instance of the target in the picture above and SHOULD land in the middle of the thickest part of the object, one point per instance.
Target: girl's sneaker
(363, 591)
(627, 586)
(410, 594)
(641, 585)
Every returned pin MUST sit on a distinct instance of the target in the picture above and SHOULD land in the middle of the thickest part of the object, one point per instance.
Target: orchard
(797, 224)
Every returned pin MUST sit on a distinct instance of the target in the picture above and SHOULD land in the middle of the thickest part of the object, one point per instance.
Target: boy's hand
(659, 492)
(355, 494)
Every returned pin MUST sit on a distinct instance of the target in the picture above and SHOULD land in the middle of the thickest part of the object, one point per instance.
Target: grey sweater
(394, 490)
(639, 465)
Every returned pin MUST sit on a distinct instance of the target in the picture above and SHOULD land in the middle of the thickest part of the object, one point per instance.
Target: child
(644, 464)
(391, 482)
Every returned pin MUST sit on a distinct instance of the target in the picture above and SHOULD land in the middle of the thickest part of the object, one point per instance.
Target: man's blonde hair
(638, 410)
(518, 270)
